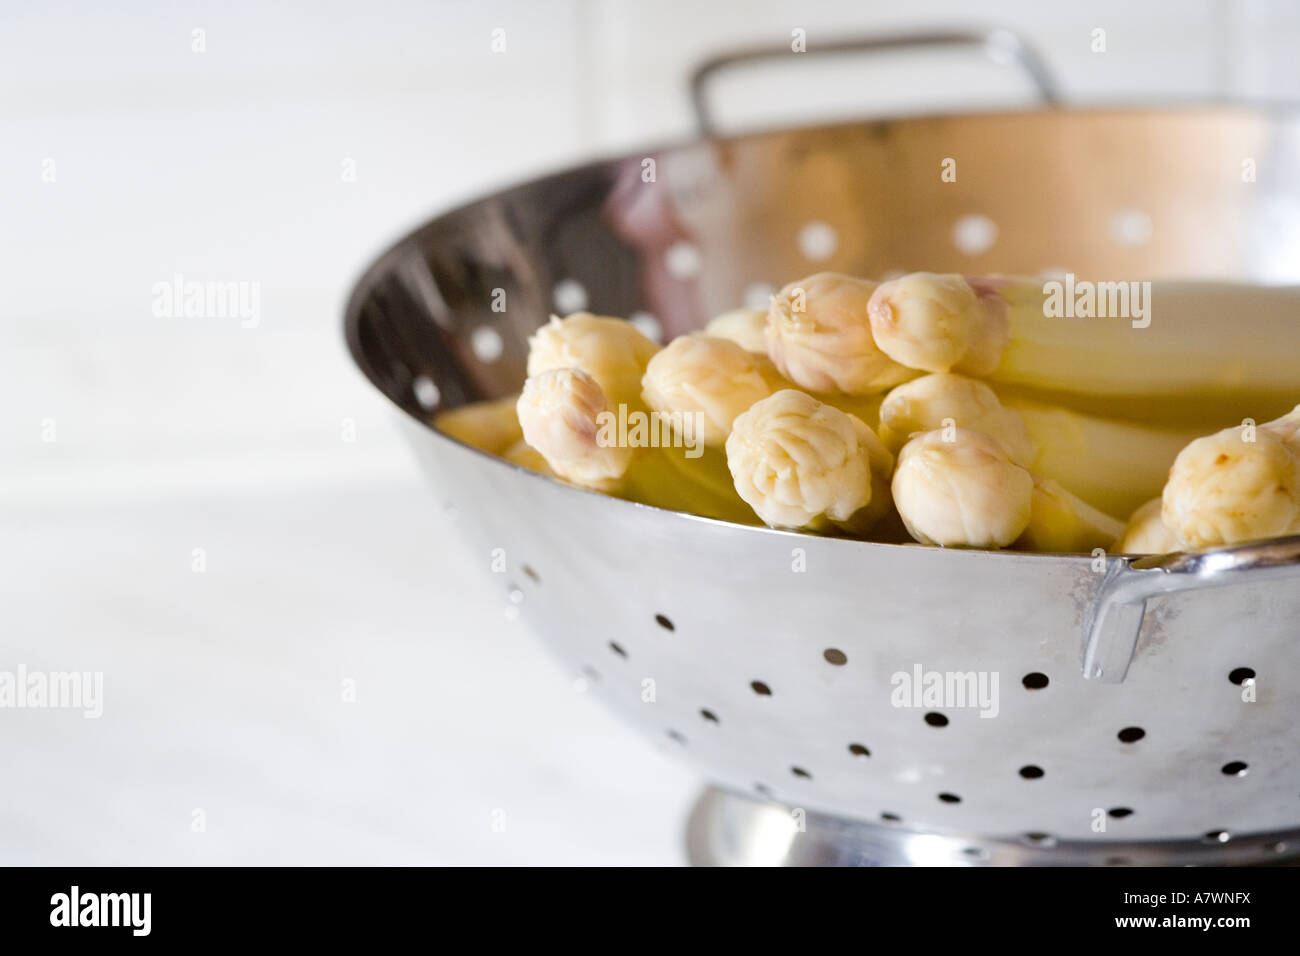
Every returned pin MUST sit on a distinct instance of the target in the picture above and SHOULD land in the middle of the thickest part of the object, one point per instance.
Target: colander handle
(999, 45)
(1116, 619)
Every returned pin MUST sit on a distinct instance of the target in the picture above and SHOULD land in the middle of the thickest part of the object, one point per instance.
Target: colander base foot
(730, 829)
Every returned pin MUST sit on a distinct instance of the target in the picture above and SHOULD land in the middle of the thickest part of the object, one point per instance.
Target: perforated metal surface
(606, 572)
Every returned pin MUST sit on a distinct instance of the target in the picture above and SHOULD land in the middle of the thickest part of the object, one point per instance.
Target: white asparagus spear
(1113, 465)
(961, 488)
(802, 464)
(712, 380)
(560, 412)
(966, 493)
(931, 402)
(746, 327)
(819, 337)
(1182, 338)
(611, 351)
(668, 478)
(1239, 484)
(938, 323)
(1061, 522)
(1147, 533)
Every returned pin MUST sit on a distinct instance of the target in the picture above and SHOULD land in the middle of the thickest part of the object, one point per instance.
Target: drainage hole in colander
(1039, 839)
(835, 656)
(1030, 772)
(617, 649)
(663, 622)
(1277, 846)
(677, 737)
(817, 240)
(949, 798)
(683, 260)
(891, 818)
(709, 715)
(1131, 227)
(486, 344)
(648, 326)
(763, 790)
(1234, 768)
(973, 234)
(531, 574)
(1118, 861)
(1216, 836)
(426, 392)
(1131, 735)
(976, 852)
(1119, 813)
(760, 688)
(801, 772)
(1034, 681)
(936, 719)
(569, 296)
(859, 751)
(1241, 675)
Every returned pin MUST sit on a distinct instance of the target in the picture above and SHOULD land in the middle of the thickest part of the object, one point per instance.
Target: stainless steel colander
(1146, 710)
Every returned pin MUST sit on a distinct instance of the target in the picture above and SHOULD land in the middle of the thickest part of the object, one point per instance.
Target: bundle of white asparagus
(966, 409)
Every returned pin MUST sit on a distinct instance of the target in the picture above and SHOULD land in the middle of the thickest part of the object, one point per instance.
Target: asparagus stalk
(961, 488)
(1113, 465)
(526, 456)
(802, 464)
(819, 336)
(1239, 484)
(491, 426)
(1061, 522)
(1182, 338)
(666, 478)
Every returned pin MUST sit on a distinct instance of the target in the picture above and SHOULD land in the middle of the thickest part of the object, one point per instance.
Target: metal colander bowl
(1146, 710)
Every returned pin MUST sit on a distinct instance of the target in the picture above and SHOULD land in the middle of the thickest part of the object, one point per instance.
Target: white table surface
(223, 692)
